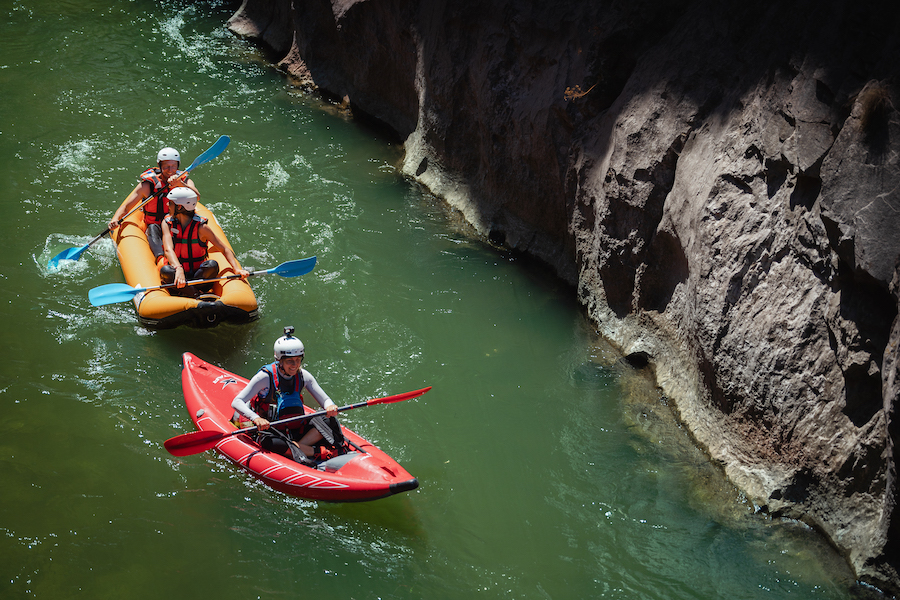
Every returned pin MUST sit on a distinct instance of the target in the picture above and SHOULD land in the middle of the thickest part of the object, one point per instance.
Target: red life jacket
(158, 207)
(189, 248)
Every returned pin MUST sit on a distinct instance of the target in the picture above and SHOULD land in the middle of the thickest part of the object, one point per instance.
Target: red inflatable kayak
(363, 473)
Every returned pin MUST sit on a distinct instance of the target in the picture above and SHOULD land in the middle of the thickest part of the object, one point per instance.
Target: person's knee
(276, 445)
(207, 270)
(311, 437)
(167, 274)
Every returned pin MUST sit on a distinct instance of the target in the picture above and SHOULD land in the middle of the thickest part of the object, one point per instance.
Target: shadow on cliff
(570, 119)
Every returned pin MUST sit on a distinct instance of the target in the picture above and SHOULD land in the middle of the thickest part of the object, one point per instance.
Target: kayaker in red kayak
(276, 392)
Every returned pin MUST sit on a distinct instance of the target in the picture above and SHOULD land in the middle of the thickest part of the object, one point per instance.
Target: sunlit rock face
(719, 180)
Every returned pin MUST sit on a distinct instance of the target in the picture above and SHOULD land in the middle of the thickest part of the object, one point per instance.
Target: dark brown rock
(719, 179)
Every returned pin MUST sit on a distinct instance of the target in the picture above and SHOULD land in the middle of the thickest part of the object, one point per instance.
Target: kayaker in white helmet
(186, 240)
(276, 392)
(155, 183)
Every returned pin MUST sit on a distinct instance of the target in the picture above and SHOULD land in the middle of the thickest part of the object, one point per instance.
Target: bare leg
(305, 443)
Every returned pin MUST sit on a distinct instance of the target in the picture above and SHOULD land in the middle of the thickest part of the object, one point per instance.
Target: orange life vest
(189, 248)
(158, 207)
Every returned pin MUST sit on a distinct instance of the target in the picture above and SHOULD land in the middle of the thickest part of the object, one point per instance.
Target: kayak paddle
(122, 292)
(201, 441)
(75, 253)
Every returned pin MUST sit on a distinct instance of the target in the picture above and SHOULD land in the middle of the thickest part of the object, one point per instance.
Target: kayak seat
(333, 464)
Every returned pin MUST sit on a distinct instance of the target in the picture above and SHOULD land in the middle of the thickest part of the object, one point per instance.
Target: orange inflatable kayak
(231, 301)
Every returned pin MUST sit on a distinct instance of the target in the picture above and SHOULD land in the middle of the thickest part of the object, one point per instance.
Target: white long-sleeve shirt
(259, 384)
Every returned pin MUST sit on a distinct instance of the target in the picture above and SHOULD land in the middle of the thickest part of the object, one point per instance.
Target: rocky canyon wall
(718, 179)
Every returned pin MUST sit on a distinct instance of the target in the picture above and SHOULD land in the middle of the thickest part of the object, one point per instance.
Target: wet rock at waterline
(719, 179)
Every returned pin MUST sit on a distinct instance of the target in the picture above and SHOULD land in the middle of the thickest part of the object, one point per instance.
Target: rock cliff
(719, 179)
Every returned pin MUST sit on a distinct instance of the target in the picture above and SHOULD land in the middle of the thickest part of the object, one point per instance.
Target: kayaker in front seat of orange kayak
(186, 239)
(276, 392)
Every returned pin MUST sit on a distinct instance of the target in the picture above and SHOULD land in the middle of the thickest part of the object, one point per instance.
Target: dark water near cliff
(546, 470)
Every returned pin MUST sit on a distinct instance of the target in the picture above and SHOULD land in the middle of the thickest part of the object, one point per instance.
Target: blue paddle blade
(292, 268)
(75, 253)
(211, 153)
(67, 254)
(112, 293)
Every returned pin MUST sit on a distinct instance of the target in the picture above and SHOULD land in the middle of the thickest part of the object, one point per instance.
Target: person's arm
(310, 383)
(171, 257)
(138, 194)
(209, 236)
(175, 181)
(241, 403)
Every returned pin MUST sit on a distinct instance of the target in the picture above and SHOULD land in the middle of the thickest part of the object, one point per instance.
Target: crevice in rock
(497, 236)
(666, 267)
(637, 360)
(777, 172)
(717, 396)
(798, 491)
(618, 275)
(859, 332)
(637, 262)
(737, 182)
(863, 392)
(841, 243)
(806, 192)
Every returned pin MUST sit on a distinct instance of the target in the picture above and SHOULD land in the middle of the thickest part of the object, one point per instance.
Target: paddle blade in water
(292, 268)
(193, 443)
(112, 293)
(67, 254)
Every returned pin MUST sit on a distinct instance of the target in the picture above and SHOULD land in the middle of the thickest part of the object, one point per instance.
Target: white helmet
(183, 196)
(288, 345)
(168, 154)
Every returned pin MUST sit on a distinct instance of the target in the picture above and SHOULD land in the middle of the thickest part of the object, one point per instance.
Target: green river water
(547, 470)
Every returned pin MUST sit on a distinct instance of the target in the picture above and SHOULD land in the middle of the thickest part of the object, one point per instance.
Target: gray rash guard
(259, 384)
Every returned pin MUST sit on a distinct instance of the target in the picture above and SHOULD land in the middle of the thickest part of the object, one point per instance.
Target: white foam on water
(276, 175)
